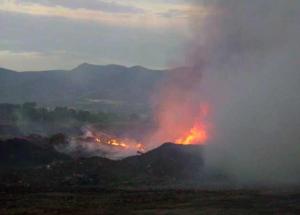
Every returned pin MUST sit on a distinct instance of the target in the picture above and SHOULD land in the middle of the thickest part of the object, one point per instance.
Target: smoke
(93, 143)
(251, 79)
(243, 61)
(177, 106)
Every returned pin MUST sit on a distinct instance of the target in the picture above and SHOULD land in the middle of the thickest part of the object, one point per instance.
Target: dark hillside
(38, 163)
(20, 153)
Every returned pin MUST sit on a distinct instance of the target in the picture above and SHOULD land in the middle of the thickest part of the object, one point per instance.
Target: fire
(196, 135)
(112, 142)
(105, 139)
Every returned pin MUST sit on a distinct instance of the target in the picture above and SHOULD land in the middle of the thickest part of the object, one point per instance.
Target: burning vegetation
(103, 144)
(106, 144)
(112, 141)
(197, 135)
(120, 147)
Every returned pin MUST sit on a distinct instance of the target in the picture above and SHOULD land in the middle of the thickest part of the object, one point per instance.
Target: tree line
(30, 111)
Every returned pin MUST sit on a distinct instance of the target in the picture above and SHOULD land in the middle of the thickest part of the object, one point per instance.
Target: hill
(38, 165)
(24, 153)
(86, 86)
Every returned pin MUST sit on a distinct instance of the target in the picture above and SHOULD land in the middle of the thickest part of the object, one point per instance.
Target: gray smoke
(251, 78)
(94, 143)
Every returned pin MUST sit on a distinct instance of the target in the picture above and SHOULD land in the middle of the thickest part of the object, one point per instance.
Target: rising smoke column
(252, 81)
(243, 61)
(178, 106)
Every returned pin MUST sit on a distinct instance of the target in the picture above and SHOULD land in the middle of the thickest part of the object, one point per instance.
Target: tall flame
(196, 135)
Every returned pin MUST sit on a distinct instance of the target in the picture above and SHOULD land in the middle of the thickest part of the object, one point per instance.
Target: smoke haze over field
(239, 92)
(251, 79)
(244, 63)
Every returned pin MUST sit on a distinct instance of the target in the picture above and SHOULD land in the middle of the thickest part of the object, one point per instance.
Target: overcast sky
(50, 34)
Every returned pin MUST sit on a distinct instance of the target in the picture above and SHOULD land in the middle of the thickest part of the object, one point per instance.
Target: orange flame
(196, 135)
(105, 139)
(112, 142)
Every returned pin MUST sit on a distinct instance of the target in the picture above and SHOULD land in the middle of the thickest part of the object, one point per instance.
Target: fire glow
(193, 129)
(198, 134)
(105, 139)
(113, 142)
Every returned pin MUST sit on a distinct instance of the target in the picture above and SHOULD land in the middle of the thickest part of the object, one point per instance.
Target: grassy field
(150, 202)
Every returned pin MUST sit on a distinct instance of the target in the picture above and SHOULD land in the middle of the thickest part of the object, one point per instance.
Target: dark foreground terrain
(150, 202)
(37, 179)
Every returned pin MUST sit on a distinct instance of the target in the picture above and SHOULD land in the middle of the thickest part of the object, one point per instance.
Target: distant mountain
(4, 71)
(86, 86)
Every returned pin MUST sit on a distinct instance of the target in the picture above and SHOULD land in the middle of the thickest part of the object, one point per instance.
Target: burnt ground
(149, 202)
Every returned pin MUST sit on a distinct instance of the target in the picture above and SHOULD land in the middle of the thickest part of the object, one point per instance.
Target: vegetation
(29, 118)
(30, 111)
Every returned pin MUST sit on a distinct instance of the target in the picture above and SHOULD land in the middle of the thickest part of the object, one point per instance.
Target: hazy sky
(48, 34)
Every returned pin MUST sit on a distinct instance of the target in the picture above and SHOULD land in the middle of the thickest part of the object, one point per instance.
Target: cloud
(78, 32)
(67, 42)
(174, 13)
(87, 4)
(148, 19)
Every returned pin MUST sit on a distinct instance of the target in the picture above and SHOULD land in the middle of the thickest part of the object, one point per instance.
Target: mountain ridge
(84, 65)
(80, 85)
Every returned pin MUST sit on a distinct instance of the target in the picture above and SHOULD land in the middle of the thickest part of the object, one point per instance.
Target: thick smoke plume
(244, 62)
(253, 84)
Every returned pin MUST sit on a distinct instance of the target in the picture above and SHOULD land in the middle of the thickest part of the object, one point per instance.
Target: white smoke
(252, 80)
(93, 143)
